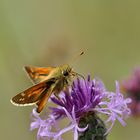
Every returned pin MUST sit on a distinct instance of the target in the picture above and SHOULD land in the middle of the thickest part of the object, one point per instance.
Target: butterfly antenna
(77, 56)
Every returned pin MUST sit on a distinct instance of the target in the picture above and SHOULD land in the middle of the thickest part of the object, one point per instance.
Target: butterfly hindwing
(38, 74)
(42, 102)
(44, 98)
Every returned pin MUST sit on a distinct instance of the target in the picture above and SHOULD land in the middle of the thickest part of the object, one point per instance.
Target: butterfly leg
(66, 90)
(57, 96)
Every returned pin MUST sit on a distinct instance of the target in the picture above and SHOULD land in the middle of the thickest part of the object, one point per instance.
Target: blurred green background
(51, 32)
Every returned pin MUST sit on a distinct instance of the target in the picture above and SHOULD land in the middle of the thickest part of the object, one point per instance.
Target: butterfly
(47, 80)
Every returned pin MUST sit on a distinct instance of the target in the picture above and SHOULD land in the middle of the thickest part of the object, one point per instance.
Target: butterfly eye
(65, 73)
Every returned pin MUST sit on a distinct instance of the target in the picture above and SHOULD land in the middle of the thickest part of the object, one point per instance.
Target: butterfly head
(66, 70)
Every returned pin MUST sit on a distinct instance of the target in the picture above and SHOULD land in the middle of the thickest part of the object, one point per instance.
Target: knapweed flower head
(131, 87)
(81, 104)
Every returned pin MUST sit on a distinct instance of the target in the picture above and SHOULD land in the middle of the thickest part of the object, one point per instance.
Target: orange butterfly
(47, 81)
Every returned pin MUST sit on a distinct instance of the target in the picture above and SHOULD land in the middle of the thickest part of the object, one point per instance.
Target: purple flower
(115, 107)
(82, 97)
(73, 125)
(132, 89)
(44, 125)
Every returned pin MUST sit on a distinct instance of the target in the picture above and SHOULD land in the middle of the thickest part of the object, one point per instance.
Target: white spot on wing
(22, 94)
(21, 99)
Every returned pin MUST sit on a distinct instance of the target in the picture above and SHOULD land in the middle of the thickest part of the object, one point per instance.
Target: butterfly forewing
(38, 74)
(29, 96)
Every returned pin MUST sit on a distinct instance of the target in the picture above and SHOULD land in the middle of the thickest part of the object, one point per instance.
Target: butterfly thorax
(62, 76)
(60, 72)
